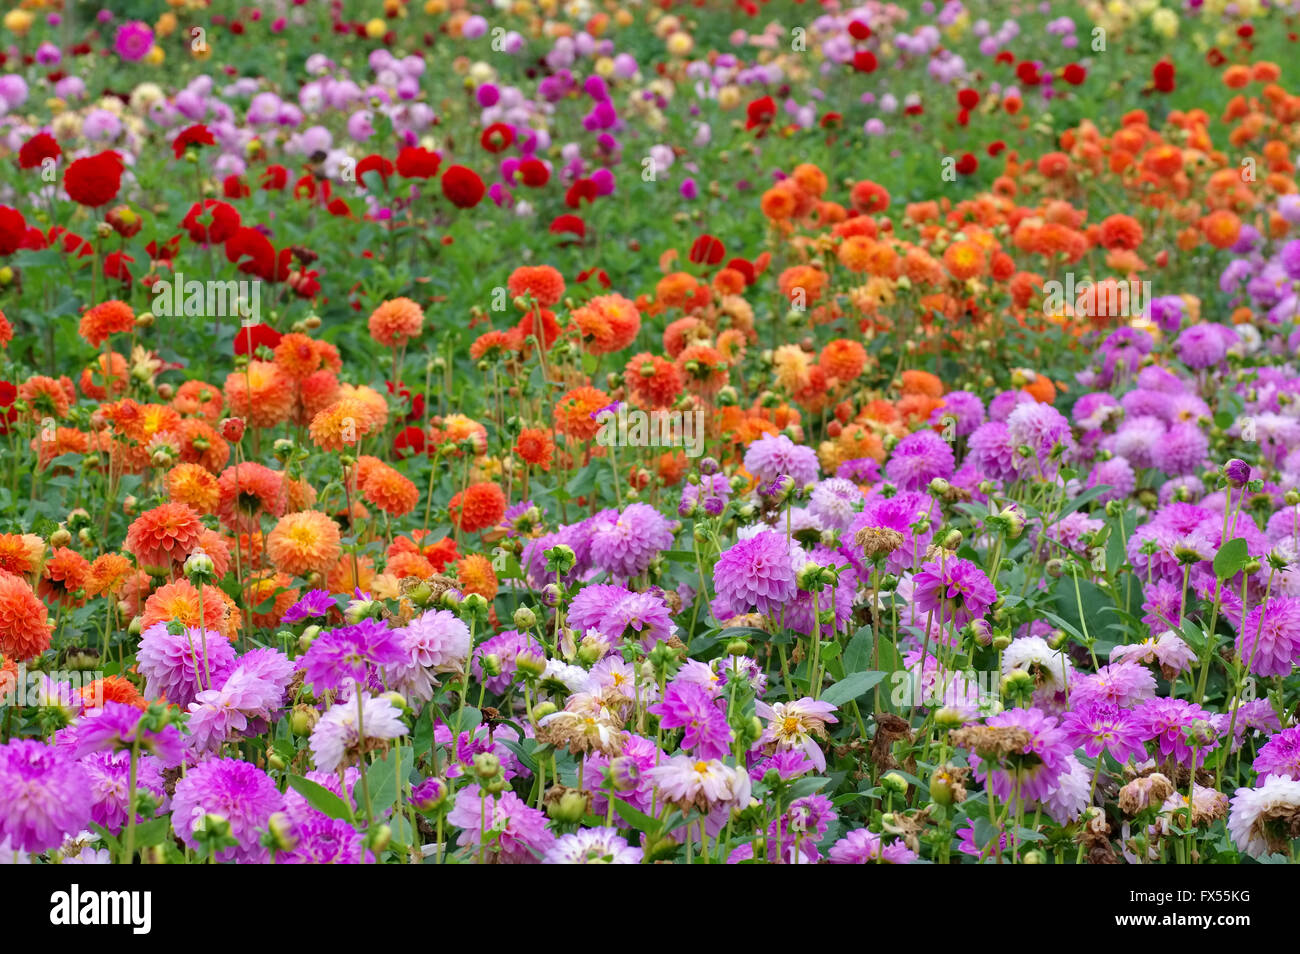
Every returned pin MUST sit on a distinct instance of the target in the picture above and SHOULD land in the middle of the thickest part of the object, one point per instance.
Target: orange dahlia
(341, 579)
(964, 260)
(855, 252)
(194, 485)
(163, 536)
(315, 393)
(304, 542)
(262, 394)
(573, 413)
(922, 382)
(456, 429)
(24, 620)
(66, 574)
(1221, 228)
(269, 598)
(844, 359)
(608, 323)
(535, 446)
(45, 397)
(543, 283)
(1120, 231)
(494, 344)
(64, 440)
(248, 491)
(732, 344)
(407, 564)
(376, 408)
(107, 318)
(108, 574)
(802, 284)
(704, 370)
(297, 356)
(299, 495)
(340, 425)
(475, 575)
(178, 602)
(478, 507)
(21, 554)
(8, 679)
(396, 322)
(196, 397)
(201, 444)
(385, 487)
(93, 695)
(94, 381)
(676, 289)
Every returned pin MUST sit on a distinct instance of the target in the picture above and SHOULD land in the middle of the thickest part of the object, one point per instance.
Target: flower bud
(380, 836)
(303, 720)
(281, 829)
(893, 782)
(1017, 683)
(486, 765)
(429, 795)
(568, 807)
(525, 618)
(199, 568)
(531, 664)
(541, 711)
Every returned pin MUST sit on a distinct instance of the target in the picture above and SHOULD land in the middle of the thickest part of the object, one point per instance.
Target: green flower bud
(893, 782)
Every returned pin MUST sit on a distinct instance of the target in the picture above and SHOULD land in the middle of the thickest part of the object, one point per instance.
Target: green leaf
(857, 655)
(851, 687)
(320, 798)
(1231, 558)
(636, 818)
(382, 778)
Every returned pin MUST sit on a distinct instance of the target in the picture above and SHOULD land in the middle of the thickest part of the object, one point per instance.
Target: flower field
(728, 432)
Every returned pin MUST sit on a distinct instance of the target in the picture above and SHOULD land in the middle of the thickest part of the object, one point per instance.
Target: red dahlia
(94, 180)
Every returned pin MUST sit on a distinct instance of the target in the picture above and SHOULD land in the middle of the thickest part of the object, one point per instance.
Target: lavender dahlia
(1171, 722)
(592, 846)
(237, 791)
(861, 846)
(1104, 726)
(350, 654)
(623, 544)
(919, 458)
(770, 457)
(957, 589)
(687, 706)
(177, 666)
(343, 734)
(1032, 768)
(1280, 755)
(1269, 641)
(116, 727)
(44, 795)
(755, 574)
(108, 775)
(502, 824)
